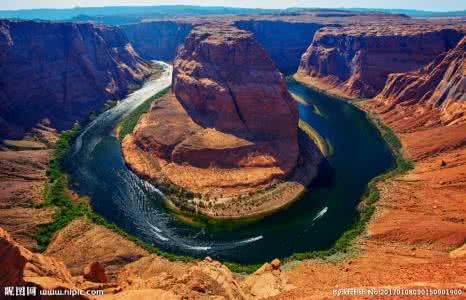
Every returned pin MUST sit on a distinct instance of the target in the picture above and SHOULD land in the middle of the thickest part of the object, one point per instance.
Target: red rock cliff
(355, 61)
(228, 82)
(61, 71)
(21, 268)
(441, 84)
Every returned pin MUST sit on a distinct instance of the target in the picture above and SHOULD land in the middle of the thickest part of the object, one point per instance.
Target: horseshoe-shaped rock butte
(225, 141)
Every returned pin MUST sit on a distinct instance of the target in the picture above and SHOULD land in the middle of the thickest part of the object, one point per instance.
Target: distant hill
(126, 14)
(117, 15)
(413, 12)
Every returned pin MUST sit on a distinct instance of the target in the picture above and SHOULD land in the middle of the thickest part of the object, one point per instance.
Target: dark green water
(312, 223)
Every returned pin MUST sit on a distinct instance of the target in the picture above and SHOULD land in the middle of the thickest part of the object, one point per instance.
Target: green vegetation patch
(56, 191)
(127, 125)
(402, 165)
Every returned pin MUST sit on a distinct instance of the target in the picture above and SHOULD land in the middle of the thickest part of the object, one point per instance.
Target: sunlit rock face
(61, 71)
(355, 61)
(21, 267)
(230, 122)
(441, 84)
(227, 82)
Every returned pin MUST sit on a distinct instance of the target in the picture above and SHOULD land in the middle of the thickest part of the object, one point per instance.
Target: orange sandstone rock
(20, 267)
(95, 272)
(355, 61)
(441, 84)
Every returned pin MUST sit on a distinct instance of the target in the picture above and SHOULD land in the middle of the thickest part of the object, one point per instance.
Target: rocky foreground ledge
(227, 136)
(142, 276)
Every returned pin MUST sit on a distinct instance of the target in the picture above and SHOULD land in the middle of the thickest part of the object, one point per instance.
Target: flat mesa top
(218, 32)
(383, 29)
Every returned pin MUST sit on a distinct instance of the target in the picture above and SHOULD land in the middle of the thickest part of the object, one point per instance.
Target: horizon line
(237, 7)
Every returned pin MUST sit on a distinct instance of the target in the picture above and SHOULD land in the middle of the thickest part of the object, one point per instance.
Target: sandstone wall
(355, 61)
(227, 81)
(441, 84)
(61, 71)
(157, 40)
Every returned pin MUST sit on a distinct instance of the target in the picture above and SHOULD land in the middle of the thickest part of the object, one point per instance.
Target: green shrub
(55, 191)
(241, 268)
(130, 121)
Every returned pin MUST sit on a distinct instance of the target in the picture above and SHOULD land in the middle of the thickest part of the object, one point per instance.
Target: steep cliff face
(61, 71)
(285, 42)
(158, 39)
(441, 84)
(230, 127)
(228, 82)
(355, 61)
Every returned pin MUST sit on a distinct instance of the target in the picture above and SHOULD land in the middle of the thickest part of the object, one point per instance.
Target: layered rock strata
(149, 277)
(61, 72)
(439, 85)
(355, 61)
(23, 166)
(230, 127)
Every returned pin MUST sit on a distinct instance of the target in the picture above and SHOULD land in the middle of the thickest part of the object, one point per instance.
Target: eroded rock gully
(22, 181)
(440, 85)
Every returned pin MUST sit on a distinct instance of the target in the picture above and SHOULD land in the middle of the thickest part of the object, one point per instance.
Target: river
(358, 153)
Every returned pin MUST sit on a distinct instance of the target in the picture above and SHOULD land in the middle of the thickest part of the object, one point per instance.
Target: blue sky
(443, 5)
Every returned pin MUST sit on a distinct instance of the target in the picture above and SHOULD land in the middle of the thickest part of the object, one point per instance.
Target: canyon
(285, 42)
(414, 71)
